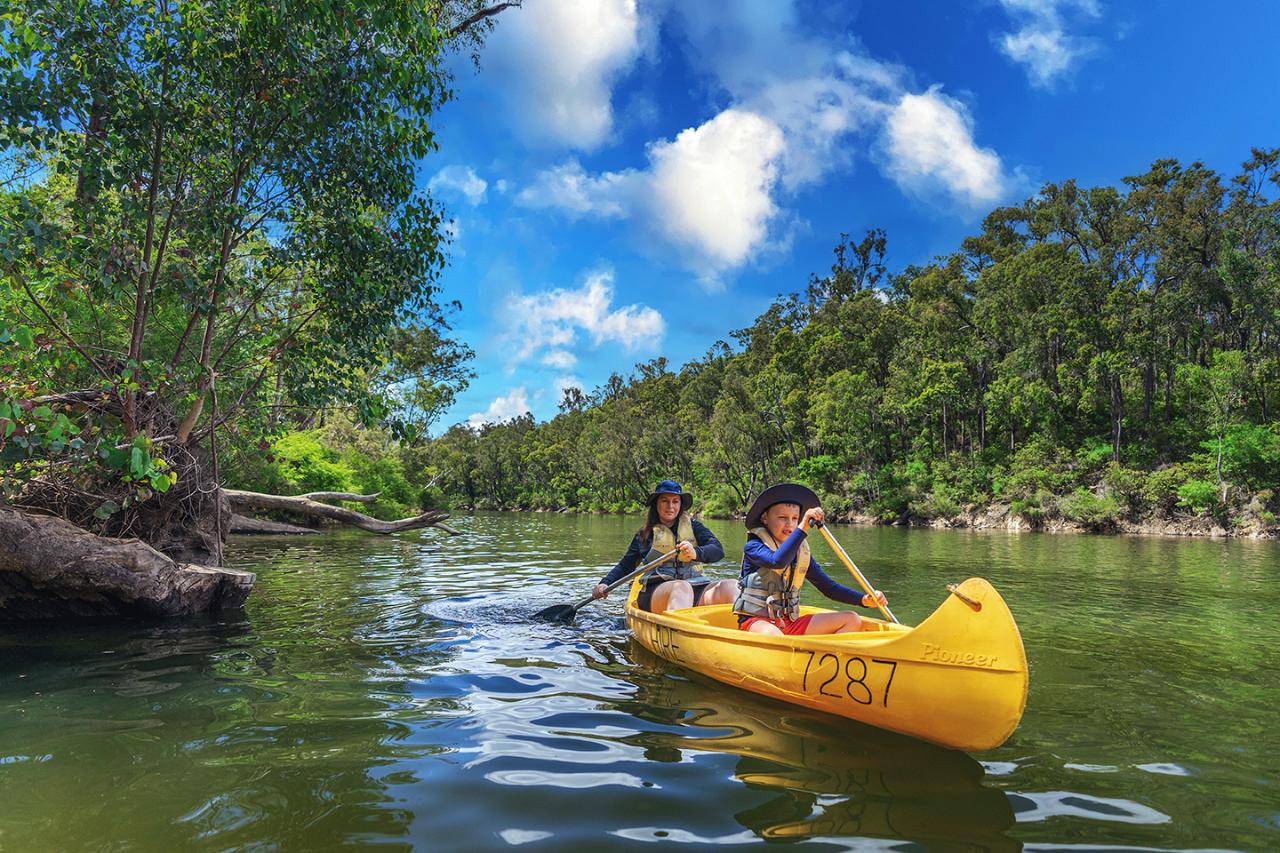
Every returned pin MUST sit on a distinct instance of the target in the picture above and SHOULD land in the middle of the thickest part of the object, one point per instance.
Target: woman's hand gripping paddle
(566, 612)
(858, 575)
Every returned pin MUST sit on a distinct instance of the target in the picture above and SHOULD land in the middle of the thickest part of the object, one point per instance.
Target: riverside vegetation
(210, 234)
(1100, 358)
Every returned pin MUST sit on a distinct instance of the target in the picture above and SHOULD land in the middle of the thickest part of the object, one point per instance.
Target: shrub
(941, 502)
(1251, 454)
(1038, 466)
(1199, 495)
(1043, 504)
(303, 464)
(1089, 509)
(1028, 509)
(1094, 453)
(385, 475)
(432, 497)
(1161, 490)
(1128, 486)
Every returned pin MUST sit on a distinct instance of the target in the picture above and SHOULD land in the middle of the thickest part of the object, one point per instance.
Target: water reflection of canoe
(959, 678)
(832, 778)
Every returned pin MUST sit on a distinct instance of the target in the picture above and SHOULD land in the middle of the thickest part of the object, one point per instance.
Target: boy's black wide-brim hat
(671, 487)
(783, 493)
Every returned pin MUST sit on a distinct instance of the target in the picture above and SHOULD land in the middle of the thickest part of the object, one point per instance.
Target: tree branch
(487, 12)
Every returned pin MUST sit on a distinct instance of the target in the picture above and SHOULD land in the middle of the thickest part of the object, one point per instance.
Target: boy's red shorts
(797, 627)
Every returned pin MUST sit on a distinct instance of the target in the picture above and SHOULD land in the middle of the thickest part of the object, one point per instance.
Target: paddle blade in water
(556, 613)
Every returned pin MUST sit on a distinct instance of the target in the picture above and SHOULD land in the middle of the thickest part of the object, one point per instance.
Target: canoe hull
(958, 679)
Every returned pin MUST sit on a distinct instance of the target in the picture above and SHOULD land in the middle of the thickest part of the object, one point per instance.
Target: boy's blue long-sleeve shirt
(708, 550)
(756, 553)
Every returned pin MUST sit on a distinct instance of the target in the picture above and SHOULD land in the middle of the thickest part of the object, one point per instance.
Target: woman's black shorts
(644, 599)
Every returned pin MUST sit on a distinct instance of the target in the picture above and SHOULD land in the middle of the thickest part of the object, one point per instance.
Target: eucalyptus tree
(210, 208)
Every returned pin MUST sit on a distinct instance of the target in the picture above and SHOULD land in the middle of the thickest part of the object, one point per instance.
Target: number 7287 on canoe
(958, 679)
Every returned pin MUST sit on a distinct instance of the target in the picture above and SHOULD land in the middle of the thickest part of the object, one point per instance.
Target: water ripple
(393, 691)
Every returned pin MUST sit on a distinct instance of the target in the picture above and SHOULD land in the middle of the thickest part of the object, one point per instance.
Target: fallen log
(244, 525)
(304, 505)
(51, 568)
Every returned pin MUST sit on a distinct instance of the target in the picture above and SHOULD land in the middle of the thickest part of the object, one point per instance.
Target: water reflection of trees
(285, 727)
(832, 778)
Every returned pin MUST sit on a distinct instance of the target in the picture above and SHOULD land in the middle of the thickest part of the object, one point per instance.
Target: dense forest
(217, 270)
(1093, 354)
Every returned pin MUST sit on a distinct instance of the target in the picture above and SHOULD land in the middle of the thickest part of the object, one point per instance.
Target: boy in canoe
(776, 562)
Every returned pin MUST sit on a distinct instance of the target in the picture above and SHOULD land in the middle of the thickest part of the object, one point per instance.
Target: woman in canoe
(776, 562)
(679, 582)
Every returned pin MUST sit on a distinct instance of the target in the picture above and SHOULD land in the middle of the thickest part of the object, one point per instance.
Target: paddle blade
(556, 613)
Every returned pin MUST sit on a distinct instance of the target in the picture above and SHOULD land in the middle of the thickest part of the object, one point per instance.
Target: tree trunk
(51, 568)
(1117, 414)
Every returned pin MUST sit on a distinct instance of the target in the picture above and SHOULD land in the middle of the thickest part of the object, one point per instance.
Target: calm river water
(391, 692)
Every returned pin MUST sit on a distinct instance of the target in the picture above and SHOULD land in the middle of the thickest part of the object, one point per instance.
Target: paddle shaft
(857, 574)
(620, 581)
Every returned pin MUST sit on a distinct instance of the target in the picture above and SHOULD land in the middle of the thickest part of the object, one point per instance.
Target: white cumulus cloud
(766, 61)
(712, 186)
(1041, 41)
(708, 192)
(510, 405)
(928, 140)
(562, 318)
(558, 60)
(461, 181)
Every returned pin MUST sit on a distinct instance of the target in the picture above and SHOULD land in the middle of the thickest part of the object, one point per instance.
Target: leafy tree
(210, 217)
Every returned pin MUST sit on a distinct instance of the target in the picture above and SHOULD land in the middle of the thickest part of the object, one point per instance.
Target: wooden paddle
(858, 575)
(566, 612)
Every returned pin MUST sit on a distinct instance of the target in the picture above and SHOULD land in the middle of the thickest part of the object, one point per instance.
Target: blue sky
(635, 178)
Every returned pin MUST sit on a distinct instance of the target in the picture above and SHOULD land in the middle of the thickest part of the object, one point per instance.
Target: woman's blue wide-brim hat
(783, 493)
(671, 487)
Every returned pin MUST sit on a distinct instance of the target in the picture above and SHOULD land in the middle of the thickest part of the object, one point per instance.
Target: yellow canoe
(958, 679)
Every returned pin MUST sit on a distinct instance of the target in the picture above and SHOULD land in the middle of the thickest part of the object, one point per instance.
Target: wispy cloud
(569, 189)
(560, 359)
(1041, 41)
(560, 319)
(460, 181)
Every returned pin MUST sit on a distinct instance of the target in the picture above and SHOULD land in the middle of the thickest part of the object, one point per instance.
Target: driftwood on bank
(49, 568)
(307, 505)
